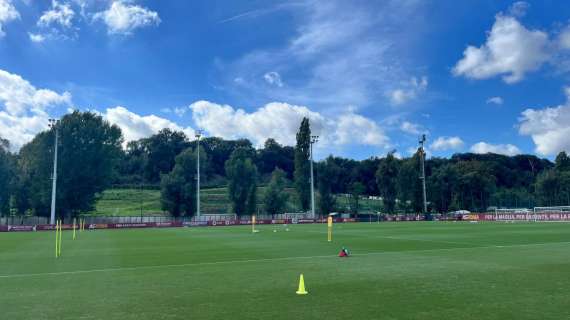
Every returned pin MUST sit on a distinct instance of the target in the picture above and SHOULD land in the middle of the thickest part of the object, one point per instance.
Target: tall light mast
(423, 169)
(198, 135)
(53, 123)
(314, 139)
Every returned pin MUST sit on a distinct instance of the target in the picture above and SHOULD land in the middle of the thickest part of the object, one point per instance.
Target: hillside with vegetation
(234, 175)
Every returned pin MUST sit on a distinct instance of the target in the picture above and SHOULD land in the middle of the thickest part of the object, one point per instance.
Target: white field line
(395, 238)
(24, 275)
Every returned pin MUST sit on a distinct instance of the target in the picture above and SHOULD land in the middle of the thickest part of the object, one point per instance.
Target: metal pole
(54, 177)
(198, 135)
(423, 177)
(314, 139)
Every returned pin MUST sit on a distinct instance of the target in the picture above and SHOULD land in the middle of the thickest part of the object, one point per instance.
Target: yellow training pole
(252, 224)
(56, 238)
(74, 228)
(60, 238)
(329, 227)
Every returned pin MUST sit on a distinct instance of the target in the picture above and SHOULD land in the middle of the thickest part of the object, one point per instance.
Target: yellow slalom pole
(74, 228)
(329, 227)
(252, 224)
(56, 238)
(60, 238)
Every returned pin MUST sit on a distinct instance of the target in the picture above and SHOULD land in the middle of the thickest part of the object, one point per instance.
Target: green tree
(242, 175)
(161, 150)
(562, 162)
(387, 179)
(89, 151)
(273, 155)
(327, 171)
(409, 183)
(356, 190)
(302, 166)
(178, 188)
(7, 176)
(275, 198)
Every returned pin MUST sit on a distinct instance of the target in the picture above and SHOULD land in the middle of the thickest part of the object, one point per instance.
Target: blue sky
(480, 76)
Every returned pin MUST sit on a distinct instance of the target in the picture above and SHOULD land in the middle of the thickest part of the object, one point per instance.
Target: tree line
(92, 158)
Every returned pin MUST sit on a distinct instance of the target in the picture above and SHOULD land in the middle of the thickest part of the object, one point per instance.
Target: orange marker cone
(302, 290)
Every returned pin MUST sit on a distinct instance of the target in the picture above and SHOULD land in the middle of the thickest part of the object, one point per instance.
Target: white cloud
(123, 18)
(447, 143)
(273, 78)
(519, 8)
(36, 37)
(504, 149)
(495, 100)
(59, 14)
(511, 50)
(18, 96)
(281, 122)
(135, 126)
(411, 128)
(409, 92)
(8, 13)
(548, 127)
(24, 108)
(564, 39)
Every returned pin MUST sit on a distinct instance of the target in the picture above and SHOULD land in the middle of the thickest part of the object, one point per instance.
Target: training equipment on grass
(329, 226)
(74, 236)
(252, 224)
(56, 238)
(344, 253)
(301, 290)
(60, 237)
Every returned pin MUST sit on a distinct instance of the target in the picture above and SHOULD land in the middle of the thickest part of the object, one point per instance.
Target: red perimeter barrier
(48, 227)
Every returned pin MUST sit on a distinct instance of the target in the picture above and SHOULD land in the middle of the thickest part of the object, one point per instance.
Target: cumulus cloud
(281, 122)
(411, 128)
(447, 143)
(549, 127)
(511, 51)
(495, 100)
(8, 13)
(24, 108)
(135, 126)
(122, 17)
(504, 149)
(273, 78)
(59, 15)
(410, 91)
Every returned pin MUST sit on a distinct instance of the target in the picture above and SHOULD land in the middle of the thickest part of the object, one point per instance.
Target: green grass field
(422, 270)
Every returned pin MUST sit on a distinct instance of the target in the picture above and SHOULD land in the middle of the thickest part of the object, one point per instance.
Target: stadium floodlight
(314, 139)
(53, 123)
(423, 168)
(198, 135)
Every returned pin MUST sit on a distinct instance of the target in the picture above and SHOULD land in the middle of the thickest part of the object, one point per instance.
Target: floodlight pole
(53, 124)
(198, 135)
(423, 176)
(314, 140)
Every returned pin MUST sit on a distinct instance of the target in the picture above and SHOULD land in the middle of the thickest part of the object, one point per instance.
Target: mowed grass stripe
(272, 259)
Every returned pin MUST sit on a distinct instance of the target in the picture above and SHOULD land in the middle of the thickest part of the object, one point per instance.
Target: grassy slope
(398, 271)
(127, 202)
